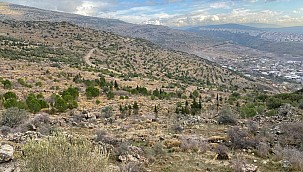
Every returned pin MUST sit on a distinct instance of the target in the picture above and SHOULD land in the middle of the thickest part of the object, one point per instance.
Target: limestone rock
(6, 153)
(249, 168)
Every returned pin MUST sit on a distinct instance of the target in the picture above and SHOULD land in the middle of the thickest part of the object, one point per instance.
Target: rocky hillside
(125, 104)
(63, 42)
(161, 35)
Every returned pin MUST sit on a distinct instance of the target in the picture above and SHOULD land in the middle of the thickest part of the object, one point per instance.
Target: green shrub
(10, 95)
(248, 110)
(273, 103)
(91, 92)
(9, 103)
(62, 154)
(72, 91)
(98, 102)
(13, 117)
(60, 104)
(6, 84)
(36, 103)
(24, 83)
(226, 117)
(110, 95)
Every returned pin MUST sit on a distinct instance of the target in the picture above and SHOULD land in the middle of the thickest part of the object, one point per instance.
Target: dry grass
(64, 154)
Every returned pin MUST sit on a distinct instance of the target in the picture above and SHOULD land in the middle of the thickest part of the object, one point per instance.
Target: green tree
(116, 85)
(60, 104)
(72, 91)
(6, 84)
(91, 92)
(136, 108)
(36, 103)
(273, 103)
(110, 95)
(10, 95)
(9, 103)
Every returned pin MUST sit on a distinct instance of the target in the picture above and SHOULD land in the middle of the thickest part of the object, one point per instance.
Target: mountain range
(189, 40)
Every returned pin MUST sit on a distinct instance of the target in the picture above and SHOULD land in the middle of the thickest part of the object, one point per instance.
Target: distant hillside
(161, 35)
(66, 43)
(231, 26)
(296, 29)
(260, 39)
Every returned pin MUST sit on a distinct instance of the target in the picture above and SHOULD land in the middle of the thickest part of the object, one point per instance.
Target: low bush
(63, 154)
(132, 167)
(191, 144)
(294, 157)
(292, 135)
(226, 117)
(242, 138)
(13, 117)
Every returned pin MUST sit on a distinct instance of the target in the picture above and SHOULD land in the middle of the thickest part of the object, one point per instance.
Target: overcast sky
(181, 12)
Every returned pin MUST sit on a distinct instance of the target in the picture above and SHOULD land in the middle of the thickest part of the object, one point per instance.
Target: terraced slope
(67, 43)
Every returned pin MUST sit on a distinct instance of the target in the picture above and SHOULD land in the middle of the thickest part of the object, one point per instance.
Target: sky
(181, 13)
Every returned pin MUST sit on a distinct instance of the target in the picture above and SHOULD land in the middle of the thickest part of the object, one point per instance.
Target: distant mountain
(231, 26)
(251, 27)
(275, 40)
(296, 29)
(161, 35)
(193, 40)
(262, 25)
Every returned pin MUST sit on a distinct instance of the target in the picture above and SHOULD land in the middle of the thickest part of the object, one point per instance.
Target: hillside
(219, 45)
(119, 54)
(73, 98)
(163, 36)
(277, 41)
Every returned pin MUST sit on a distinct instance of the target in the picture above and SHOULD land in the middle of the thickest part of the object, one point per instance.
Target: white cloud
(138, 15)
(219, 5)
(90, 8)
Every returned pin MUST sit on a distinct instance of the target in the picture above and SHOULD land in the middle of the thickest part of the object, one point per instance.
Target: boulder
(222, 156)
(6, 153)
(249, 168)
(22, 137)
(284, 110)
(9, 167)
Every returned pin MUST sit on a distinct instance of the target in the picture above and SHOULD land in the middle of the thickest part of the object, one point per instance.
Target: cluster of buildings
(290, 71)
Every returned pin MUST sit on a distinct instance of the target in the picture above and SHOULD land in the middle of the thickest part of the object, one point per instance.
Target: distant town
(271, 36)
(266, 68)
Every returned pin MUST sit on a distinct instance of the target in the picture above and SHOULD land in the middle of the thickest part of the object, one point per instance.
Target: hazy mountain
(231, 26)
(262, 25)
(194, 40)
(161, 35)
(296, 29)
(275, 40)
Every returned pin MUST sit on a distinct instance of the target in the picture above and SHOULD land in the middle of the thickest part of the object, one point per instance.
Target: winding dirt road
(87, 57)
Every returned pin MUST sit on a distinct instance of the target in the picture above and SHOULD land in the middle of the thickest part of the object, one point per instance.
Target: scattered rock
(249, 168)
(22, 137)
(217, 139)
(9, 167)
(222, 156)
(6, 153)
(285, 110)
(172, 143)
(134, 154)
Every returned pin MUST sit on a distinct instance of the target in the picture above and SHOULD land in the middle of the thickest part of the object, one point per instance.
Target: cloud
(90, 8)
(239, 15)
(177, 12)
(219, 5)
(138, 15)
(83, 7)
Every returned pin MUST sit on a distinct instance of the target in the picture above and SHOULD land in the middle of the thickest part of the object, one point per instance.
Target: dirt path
(87, 57)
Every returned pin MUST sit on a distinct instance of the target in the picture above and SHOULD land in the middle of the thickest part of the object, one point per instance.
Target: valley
(80, 93)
